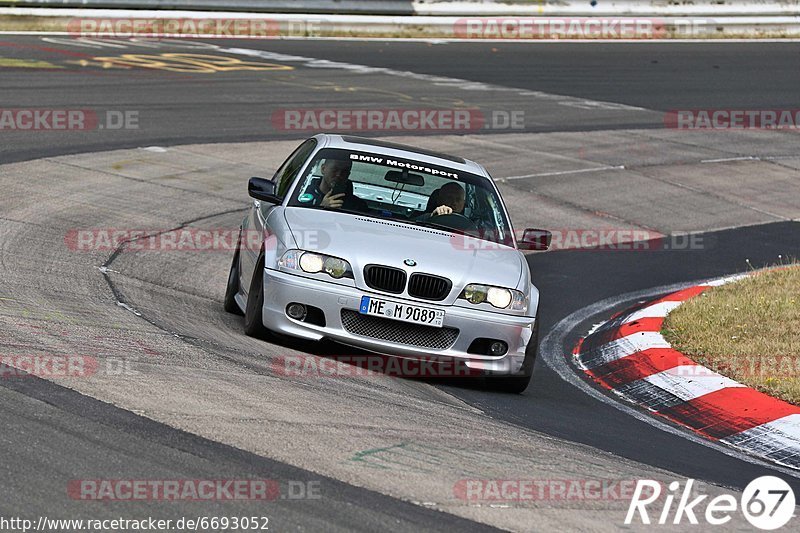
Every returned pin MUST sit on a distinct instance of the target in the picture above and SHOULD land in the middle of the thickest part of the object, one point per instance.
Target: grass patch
(748, 330)
(30, 23)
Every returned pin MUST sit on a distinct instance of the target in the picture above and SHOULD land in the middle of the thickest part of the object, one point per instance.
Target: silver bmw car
(396, 250)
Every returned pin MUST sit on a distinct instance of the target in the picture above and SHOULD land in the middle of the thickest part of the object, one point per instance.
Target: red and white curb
(628, 356)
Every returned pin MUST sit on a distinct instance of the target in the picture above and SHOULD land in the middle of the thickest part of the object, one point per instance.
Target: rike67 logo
(767, 503)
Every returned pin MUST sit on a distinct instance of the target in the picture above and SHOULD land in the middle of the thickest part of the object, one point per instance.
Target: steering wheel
(455, 221)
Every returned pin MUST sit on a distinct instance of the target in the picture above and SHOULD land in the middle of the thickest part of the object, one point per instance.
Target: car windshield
(403, 190)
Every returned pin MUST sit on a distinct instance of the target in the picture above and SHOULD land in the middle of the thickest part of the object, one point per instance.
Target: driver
(452, 198)
(334, 190)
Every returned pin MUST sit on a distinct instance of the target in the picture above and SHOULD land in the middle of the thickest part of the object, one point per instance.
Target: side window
(288, 172)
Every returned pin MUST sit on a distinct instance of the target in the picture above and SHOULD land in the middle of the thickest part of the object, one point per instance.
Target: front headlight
(497, 296)
(335, 267)
(314, 263)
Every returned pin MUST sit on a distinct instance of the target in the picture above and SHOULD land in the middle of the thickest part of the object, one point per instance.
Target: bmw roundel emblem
(410, 262)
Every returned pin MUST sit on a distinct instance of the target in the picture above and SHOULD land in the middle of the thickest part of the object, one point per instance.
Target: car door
(256, 221)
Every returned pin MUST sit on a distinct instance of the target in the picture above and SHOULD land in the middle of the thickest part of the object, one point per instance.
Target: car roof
(351, 142)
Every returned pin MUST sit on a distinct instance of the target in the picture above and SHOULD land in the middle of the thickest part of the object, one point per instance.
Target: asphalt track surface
(176, 109)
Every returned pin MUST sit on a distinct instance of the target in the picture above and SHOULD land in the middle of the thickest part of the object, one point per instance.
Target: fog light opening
(498, 348)
(296, 311)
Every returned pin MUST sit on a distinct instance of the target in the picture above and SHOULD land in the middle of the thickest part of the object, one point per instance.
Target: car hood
(363, 240)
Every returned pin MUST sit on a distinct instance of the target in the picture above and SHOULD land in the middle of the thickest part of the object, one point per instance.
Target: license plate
(401, 312)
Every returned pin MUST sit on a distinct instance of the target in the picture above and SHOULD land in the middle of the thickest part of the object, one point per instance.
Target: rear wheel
(254, 311)
(518, 384)
(232, 289)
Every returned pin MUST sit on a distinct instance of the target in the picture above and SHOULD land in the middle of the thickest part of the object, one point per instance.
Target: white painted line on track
(561, 173)
(749, 158)
(439, 81)
(729, 159)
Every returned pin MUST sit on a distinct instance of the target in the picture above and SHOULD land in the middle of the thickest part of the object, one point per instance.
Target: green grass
(748, 330)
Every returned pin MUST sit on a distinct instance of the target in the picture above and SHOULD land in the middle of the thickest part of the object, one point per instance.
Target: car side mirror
(535, 239)
(263, 189)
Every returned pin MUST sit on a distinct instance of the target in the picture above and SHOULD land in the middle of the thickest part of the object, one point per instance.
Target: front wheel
(232, 289)
(518, 384)
(254, 311)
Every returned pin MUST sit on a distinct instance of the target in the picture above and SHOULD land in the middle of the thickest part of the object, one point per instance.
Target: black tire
(232, 289)
(253, 314)
(518, 384)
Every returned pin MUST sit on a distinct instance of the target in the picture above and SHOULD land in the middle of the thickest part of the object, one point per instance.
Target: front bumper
(281, 289)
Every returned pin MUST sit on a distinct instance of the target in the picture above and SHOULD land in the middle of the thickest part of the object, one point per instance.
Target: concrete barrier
(550, 8)
(378, 7)
(481, 19)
